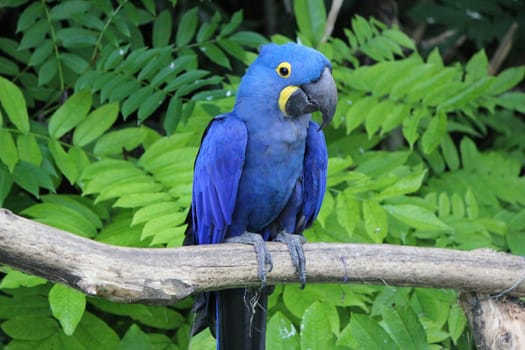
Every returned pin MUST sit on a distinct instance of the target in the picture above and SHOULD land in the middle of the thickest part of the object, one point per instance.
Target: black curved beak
(320, 95)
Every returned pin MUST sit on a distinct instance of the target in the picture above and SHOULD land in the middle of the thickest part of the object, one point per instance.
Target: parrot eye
(284, 69)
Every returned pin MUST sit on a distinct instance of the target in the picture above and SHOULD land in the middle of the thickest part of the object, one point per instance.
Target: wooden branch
(330, 20)
(497, 324)
(155, 275)
(503, 49)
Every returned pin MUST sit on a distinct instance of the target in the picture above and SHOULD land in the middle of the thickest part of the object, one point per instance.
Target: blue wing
(218, 168)
(314, 177)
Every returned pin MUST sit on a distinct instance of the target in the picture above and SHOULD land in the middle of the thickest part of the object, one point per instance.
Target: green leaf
(203, 341)
(472, 205)
(362, 29)
(347, 210)
(233, 48)
(411, 124)
(17, 279)
(135, 339)
(31, 178)
(116, 141)
(327, 209)
(316, 332)
(30, 327)
(155, 210)
(311, 19)
(450, 152)
(456, 322)
(63, 161)
(458, 207)
(141, 199)
(376, 223)
(114, 58)
(8, 67)
(443, 205)
(365, 333)
(469, 154)
(434, 134)
(235, 21)
(162, 29)
(207, 29)
(512, 100)
(173, 115)
(432, 305)
(399, 37)
(68, 9)
(466, 95)
(34, 35)
(357, 112)
(281, 333)
(29, 16)
(129, 186)
(161, 222)
(152, 316)
(250, 39)
(22, 305)
(407, 184)
(214, 53)
(150, 105)
(9, 153)
(14, 104)
(376, 116)
(83, 206)
(67, 306)
(6, 182)
(402, 324)
(507, 79)
(187, 27)
(394, 117)
(74, 62)
(96, 123)
(70, 114)
(28, 149)
(48, 71)
(76, 37)
(94, 331)
(477, 67)
(417, 217)
(184, 79)
(435, 58)
(62, 217)
(41, 53)
(150, 5)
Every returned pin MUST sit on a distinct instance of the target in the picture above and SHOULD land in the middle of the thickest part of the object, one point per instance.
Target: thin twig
(330, 20)
(503, 49)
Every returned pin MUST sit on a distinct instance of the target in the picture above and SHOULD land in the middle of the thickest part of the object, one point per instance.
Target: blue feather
(218, 169)
(257, 170)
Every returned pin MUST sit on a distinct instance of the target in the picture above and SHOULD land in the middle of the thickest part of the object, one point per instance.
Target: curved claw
(263, 255)
(295, 246)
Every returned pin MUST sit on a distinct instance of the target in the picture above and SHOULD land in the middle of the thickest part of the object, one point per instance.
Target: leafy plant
(102, 108)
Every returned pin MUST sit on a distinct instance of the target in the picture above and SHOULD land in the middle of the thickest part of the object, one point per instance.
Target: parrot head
(291, 79)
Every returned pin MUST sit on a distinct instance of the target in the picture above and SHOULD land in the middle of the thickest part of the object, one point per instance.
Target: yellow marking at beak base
(284, 96)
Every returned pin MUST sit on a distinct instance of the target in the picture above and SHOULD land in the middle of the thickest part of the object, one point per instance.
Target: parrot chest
(273, 165)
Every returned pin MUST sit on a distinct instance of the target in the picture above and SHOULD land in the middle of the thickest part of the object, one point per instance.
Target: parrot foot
(263, 255)
(294, 243)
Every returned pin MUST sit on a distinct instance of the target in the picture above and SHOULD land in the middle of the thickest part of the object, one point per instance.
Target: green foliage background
(102, 109)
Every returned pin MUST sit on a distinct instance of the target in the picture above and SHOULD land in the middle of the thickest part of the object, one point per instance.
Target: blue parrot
(260, 175)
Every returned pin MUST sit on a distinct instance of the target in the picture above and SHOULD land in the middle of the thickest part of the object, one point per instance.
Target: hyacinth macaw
(260, 175)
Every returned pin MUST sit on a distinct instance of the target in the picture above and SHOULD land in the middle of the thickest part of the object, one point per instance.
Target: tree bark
(498, 324)
(156, 275)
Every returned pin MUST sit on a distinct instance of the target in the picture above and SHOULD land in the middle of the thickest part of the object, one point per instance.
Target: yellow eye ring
(284, 69)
